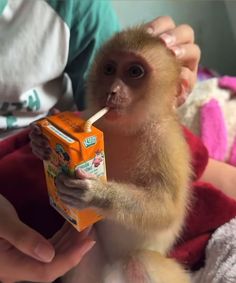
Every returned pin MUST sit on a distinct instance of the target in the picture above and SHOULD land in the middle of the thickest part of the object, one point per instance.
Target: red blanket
(23, 183)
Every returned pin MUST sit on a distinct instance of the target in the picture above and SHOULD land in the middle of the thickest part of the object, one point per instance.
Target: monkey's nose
(113, 92)
(111, 95)
(115, 88)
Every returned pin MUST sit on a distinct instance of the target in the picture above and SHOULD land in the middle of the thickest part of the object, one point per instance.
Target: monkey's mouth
(115, 106)
(115, 112)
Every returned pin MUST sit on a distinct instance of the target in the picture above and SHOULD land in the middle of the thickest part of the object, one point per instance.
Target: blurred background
(214, 23)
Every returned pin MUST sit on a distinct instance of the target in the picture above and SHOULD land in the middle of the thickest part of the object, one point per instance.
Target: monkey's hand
(124, 203)
(81, 192)
(39, 143)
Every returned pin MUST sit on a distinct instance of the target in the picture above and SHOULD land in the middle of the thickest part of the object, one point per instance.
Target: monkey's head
(137, 77)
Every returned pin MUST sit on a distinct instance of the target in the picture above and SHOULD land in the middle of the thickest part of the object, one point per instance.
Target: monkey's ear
(182, 92)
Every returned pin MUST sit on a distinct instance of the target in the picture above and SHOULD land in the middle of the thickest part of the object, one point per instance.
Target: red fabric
(199, 153)
(23, 183)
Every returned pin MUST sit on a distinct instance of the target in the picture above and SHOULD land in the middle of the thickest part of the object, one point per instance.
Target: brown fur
(148, 166)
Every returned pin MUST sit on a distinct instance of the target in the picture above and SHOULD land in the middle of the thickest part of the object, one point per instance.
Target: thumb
(28, 241)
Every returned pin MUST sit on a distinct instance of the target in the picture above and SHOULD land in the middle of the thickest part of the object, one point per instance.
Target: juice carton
(72, 147)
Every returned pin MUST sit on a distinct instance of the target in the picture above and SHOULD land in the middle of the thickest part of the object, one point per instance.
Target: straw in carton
(94, 118)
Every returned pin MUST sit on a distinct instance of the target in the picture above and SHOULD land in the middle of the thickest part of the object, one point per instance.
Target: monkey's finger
(54, 111)
(74, 193)
(41, 153)
(160, 25)
(67, 182)
(182, 34)
(38, 139)
(35, 128)
(73, 201)
(40, 144)
(68, 186)
(82, 174)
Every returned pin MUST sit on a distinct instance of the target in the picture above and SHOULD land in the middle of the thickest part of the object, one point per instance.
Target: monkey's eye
(109, 69)
(136, 71)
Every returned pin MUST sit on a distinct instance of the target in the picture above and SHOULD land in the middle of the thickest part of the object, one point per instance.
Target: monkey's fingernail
(178, 52)
(167, 39)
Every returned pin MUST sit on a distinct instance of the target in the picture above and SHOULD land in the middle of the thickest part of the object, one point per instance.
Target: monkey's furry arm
(152, 207)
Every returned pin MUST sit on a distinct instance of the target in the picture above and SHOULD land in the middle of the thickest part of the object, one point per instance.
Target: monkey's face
(138, 86)
(121, 82)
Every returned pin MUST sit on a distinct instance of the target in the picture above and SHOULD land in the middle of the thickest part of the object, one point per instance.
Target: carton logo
(90, 141)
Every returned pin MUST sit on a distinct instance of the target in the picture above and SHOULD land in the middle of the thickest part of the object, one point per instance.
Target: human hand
(221, 175)
(26, 256)
(180, 40)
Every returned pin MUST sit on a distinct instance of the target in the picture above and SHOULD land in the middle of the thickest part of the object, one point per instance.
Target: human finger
(68, 233)
(19, 267)
(182, 34)
(65, 232)
(188, 79)
(67, 258)
(188, 54)
(26, 240)
(159, 25)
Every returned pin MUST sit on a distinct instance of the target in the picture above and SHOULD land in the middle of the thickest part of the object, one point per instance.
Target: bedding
(23, 183)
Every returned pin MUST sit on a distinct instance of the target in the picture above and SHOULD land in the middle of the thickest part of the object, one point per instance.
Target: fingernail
(167, 38)
(178, 52)
(150, 30)
(44, 252)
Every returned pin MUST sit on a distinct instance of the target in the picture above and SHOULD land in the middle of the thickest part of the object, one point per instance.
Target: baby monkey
(145, 199)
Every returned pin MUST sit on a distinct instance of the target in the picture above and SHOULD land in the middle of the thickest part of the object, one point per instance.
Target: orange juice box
(72, 148)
